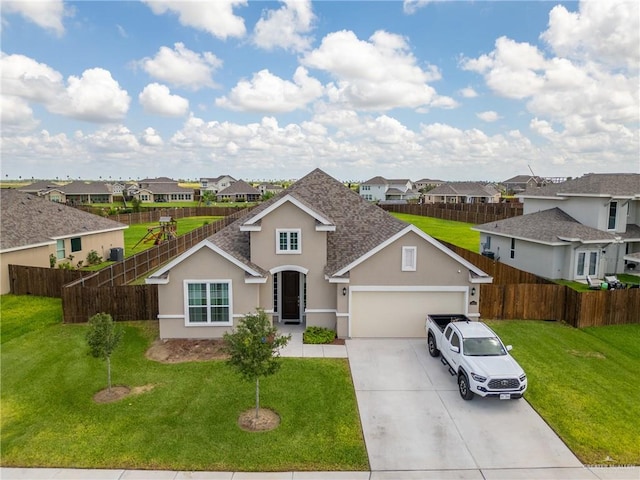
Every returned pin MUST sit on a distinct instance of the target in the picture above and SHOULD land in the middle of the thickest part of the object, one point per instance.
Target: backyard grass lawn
(457, 233)
(584, 383)
(187, 420)
(136, 232)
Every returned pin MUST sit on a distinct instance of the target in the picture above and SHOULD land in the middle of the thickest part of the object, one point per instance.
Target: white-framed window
(613, 213)
(409, 259)
(208, 302)
(60, 254)
(288, 240)
(366, 187)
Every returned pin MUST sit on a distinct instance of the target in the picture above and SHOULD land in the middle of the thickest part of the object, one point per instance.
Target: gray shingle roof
(375, 181)
(26, 219)
(547, 226)
(84, 188)
(360, 225)
(463, 188)
(238, 188)
(608, 184)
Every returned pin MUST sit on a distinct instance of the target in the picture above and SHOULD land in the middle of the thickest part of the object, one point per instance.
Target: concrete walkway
(295, 348)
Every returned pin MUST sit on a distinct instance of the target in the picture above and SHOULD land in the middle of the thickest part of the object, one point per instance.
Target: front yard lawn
(457, 233)
(185, 416)
(584, 383)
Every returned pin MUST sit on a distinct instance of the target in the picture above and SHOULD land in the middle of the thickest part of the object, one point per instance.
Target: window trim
(409, 260)
(208, 283)
(512, 251)
(288, 232)
(60, 249)
(76, 241)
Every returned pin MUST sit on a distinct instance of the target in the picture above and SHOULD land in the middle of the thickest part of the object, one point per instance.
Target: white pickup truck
(475, 354)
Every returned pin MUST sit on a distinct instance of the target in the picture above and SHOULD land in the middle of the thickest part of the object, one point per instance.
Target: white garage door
(399, 314)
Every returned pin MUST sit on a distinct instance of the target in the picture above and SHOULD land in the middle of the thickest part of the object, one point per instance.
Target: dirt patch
(113, 395)
(119, 392)
(265, 421)
(578, 353)
(181, 350)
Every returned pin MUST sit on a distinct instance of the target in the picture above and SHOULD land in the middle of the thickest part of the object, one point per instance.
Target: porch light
(473, 291)
(344, 291)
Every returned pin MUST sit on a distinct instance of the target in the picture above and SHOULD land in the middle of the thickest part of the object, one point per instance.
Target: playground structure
(166, 230)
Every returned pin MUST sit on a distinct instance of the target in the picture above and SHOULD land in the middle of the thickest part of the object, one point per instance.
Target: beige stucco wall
(320, 294)
(32, 257)
(203, 265)
(434, 268)
(100, 242)
(39, 256)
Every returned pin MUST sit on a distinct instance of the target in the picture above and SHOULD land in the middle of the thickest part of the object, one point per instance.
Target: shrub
(93, 258)
(315, 335)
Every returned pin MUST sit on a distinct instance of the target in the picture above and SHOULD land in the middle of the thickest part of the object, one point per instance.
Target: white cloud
(286, 27)
(16, 114)
(47, 14)
(182, 67)
(24, 77)
(607, 32)
(488, 116)
(269, 93)
(116, 139)
(585, 99)
(157, 99)
(468, 92)
(215, 17)
(412, 6)
(151, 138)
(378, 74)
(94, 97)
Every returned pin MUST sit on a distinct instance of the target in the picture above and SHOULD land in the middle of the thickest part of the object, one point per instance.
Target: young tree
(103, 337)
(254, 349)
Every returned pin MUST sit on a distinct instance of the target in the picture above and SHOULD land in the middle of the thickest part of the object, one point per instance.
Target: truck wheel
(463, 386)
(431, 345)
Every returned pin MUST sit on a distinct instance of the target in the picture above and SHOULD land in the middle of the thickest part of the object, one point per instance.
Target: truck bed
(442, 320)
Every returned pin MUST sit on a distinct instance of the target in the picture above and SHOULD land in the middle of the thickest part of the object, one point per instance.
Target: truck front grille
(504, 384)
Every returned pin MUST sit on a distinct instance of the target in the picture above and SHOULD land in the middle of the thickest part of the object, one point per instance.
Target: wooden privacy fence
(123, 303)
(43, 282)
(558, 302)
(149, 215)
(476, 213)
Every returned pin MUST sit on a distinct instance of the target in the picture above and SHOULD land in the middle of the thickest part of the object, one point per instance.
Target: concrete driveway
(414, 420)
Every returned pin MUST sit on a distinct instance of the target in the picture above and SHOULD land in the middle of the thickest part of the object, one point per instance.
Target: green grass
(584, 383)
(136, 232)
(457, 233)
(187, 421)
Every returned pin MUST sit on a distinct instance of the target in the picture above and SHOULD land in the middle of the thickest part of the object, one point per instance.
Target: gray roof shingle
(547, 226)
(599, 184)
(26, 219)
(360, 225)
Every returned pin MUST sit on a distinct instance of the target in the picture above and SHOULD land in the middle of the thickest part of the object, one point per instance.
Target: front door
(291, 297)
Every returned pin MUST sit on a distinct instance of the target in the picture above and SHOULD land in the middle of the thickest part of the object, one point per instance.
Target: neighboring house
(379, 189)
(216, 184)
(320, 255)
(33, 229)
(584, 226)
(79, 192)
(463, 192)
(161, 189)
(427, 184)
(520, 183)
(239, 191)
(270, 188)
(73, 193)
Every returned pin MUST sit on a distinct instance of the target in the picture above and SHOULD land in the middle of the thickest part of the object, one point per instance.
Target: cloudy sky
(448, 90)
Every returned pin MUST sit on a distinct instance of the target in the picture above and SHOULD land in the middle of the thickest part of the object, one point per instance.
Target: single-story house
(36, 232)
(463, 192)
(239, 191)
(317, 254)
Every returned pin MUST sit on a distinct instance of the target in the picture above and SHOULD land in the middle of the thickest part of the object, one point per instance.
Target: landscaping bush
(316, 335)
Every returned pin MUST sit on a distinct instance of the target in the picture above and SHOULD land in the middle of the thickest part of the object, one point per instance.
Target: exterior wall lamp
(344, 291)
(473, 291)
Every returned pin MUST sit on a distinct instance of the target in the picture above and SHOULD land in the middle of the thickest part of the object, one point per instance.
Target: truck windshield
(483, 347)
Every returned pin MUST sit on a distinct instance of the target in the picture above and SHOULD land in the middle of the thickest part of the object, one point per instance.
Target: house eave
(250, 228)
(294, 201)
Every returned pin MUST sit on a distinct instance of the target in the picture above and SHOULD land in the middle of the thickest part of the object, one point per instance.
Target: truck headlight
(523, 377)
(478, 378)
